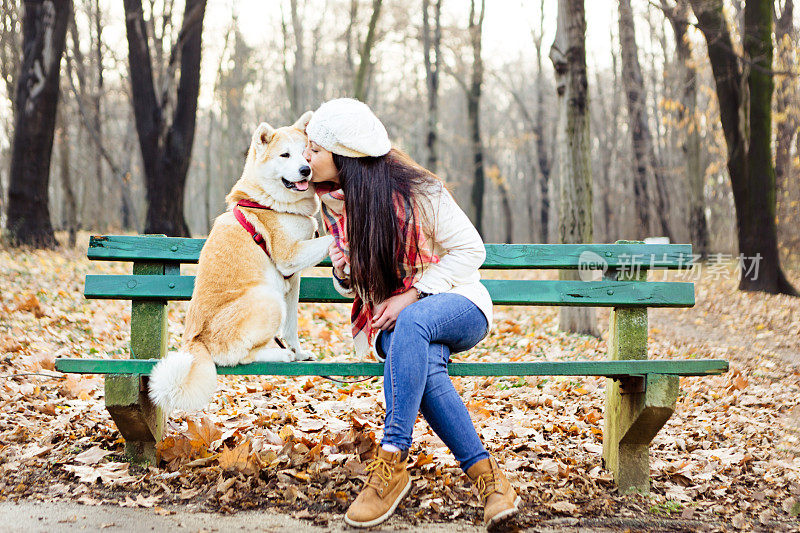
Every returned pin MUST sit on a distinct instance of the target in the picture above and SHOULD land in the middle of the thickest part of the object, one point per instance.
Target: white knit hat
(348, 127)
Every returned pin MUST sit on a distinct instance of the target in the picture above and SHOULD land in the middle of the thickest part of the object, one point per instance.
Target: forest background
(467, 88)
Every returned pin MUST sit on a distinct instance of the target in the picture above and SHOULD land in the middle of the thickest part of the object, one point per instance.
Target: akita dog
(248, 280)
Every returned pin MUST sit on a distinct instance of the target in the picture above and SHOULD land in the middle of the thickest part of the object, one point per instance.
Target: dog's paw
(271, 355)
(303, 355)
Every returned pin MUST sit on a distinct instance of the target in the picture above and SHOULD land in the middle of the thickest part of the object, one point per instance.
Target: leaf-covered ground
(728, 458)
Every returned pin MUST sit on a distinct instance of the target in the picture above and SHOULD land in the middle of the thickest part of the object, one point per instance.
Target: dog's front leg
(290, 324)
(304, 254)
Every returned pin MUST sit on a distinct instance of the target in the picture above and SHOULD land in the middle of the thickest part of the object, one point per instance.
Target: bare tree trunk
(657, 83)
(9, 44)
(568, 55)
(365, 64)
(678, 17)
(507, 213)
(10, 54)
(746, 116)
(541, 146)
(71, 207)
(431, 44)
(97, 98)
(647, 169)
(532, 197)
(301, 81)
(209, 172)
(44, 30)
(787, 89)
(351, 64)
(614, 185)
(88, 102)
(120, 171)
(473, 112)
(166, 145)
(608, 152)
(129, 217)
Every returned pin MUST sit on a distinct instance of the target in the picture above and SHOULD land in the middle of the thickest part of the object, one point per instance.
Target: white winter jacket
(459, 247)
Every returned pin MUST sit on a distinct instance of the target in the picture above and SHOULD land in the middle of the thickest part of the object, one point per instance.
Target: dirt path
(67, 517)
(28, 516)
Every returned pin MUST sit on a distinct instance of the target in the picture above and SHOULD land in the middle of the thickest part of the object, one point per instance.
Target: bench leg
(139, 421)
(632, 420)
(637, 407)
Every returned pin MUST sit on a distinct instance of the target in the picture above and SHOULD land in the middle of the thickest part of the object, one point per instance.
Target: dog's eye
(285, 154)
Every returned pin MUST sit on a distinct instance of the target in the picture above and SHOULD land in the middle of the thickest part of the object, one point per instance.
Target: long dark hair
(376, 236)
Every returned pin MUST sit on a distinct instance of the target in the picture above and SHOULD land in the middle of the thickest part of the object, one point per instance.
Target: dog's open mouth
(295, 185)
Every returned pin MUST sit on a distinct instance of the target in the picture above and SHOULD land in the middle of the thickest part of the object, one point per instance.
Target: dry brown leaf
(30, 303)
(423, 459)
(309, 424)
(78, 386)
(202, 433)
(112, 473)
(92, 456)
(239, 459)
(175, 447)
(564, 507)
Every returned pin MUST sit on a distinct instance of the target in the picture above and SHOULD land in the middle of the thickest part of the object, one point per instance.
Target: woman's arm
(464, 250)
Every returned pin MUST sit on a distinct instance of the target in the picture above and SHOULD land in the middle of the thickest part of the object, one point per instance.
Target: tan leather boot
(388, 482)
(500, 500)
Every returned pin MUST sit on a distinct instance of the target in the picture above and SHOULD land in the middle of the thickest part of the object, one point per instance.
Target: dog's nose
(305, 171)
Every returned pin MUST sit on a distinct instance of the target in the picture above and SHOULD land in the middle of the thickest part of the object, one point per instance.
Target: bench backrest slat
(498, 256)
(503, 292)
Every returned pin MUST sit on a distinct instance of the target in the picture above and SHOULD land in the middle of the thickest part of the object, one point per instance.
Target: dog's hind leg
(245, 326)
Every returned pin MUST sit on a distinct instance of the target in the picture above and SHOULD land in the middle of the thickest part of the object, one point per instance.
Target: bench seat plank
(503, 292)
(498, 256)
(691, 367)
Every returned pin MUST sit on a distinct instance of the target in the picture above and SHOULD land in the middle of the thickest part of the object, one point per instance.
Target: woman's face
(321, 162)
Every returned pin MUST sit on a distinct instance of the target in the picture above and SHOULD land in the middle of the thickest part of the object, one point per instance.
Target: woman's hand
(338, 259)
(387, 311)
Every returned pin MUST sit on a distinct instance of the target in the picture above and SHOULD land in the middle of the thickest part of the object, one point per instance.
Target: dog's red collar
(249, 228)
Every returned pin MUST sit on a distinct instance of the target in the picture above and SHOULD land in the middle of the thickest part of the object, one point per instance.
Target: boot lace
(380, 474)
(486, 485)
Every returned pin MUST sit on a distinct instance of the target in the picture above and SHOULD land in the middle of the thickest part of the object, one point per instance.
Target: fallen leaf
(92, 456)
(202, 433)
(111, 473)
(564, 507)
(423, 459)
(30, 303)
(238, 459)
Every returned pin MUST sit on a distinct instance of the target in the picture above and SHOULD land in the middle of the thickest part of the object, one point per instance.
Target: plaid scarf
(409, 269)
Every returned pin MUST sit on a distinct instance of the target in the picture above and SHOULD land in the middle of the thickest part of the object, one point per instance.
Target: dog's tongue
(301, 185)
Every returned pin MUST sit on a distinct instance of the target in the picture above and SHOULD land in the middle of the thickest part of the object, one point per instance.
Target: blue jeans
(415, 375)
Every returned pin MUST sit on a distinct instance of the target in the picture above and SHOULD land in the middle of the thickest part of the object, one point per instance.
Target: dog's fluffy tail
(184, 379)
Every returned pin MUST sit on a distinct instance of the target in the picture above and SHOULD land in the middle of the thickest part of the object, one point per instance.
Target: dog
(248, 280)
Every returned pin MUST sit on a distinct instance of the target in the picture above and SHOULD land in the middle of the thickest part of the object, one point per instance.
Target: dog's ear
(262, 137)
(303, 121)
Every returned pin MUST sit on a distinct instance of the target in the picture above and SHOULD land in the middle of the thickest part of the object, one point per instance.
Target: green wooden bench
(640, 393)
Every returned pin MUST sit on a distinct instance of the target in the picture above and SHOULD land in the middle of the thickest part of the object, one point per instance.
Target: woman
(409, 257)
